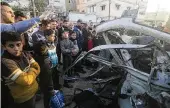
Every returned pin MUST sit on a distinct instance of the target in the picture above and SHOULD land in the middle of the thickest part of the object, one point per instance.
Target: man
(85, 33)
(7, 14)
(8, 19)
(19, 16)
(78, 30)
(39, 35)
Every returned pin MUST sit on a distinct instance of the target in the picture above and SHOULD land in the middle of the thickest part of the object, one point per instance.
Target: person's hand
(46, 14)
(73, 52)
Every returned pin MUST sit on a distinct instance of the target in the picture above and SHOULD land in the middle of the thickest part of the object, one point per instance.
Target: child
(48, 60)
(73, 38)
(74, 56)
(67, 49)
(19, 71)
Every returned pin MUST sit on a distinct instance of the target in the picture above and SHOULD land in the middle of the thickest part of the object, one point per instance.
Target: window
(128, 8)
(92, 8)
(117, 6)
(103, 7)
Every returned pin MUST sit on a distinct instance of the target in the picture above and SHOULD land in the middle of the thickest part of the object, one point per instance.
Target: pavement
(68, 92)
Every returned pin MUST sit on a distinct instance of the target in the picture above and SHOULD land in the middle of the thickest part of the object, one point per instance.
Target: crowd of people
(31, 51)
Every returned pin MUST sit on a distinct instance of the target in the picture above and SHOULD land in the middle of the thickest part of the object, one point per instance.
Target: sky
(154, 5)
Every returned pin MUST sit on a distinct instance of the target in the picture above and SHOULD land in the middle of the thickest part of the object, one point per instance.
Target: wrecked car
(141, 56)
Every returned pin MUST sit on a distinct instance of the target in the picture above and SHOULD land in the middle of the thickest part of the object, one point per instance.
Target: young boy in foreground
(19, 71)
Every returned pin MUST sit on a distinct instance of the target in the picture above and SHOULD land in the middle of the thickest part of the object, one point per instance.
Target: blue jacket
(80, 38)
(21, 26)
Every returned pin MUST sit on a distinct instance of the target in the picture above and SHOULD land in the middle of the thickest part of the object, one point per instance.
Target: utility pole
(33, 4)
(109, 8)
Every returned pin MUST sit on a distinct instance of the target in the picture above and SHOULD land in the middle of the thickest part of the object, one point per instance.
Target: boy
(73, 38)
(19, 71)
(45, 52)
(67, 49)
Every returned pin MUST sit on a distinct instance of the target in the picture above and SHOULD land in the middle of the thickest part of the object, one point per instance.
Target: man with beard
(8, 20)
(64, 27)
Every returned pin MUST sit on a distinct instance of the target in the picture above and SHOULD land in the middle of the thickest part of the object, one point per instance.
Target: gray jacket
(76, 46)
(66, 46)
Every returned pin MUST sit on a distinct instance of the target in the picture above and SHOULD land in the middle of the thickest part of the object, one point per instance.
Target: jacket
(46, 54)
(21, 26)
(66, 46)
(75, 46)
(38, 36)
(19, 74)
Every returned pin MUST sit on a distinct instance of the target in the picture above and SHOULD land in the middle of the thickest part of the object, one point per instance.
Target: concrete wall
(81, 5)
(117, 7)
(85, 17)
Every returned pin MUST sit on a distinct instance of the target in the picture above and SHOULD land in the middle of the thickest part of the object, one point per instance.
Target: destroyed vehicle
(143, 54)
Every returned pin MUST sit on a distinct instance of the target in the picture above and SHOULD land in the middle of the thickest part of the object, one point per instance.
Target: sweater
(19, 74)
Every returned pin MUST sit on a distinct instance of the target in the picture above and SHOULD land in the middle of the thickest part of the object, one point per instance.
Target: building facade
(112, 9)
(58, 4)
(157, 17)
(81, 5)
(70, 5)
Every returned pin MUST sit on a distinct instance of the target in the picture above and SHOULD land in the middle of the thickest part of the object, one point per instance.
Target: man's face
(7, 15)
(65, 24)
(53, 25)
(14, 48)
(46, 27)
(20, 19)
(71, 25)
